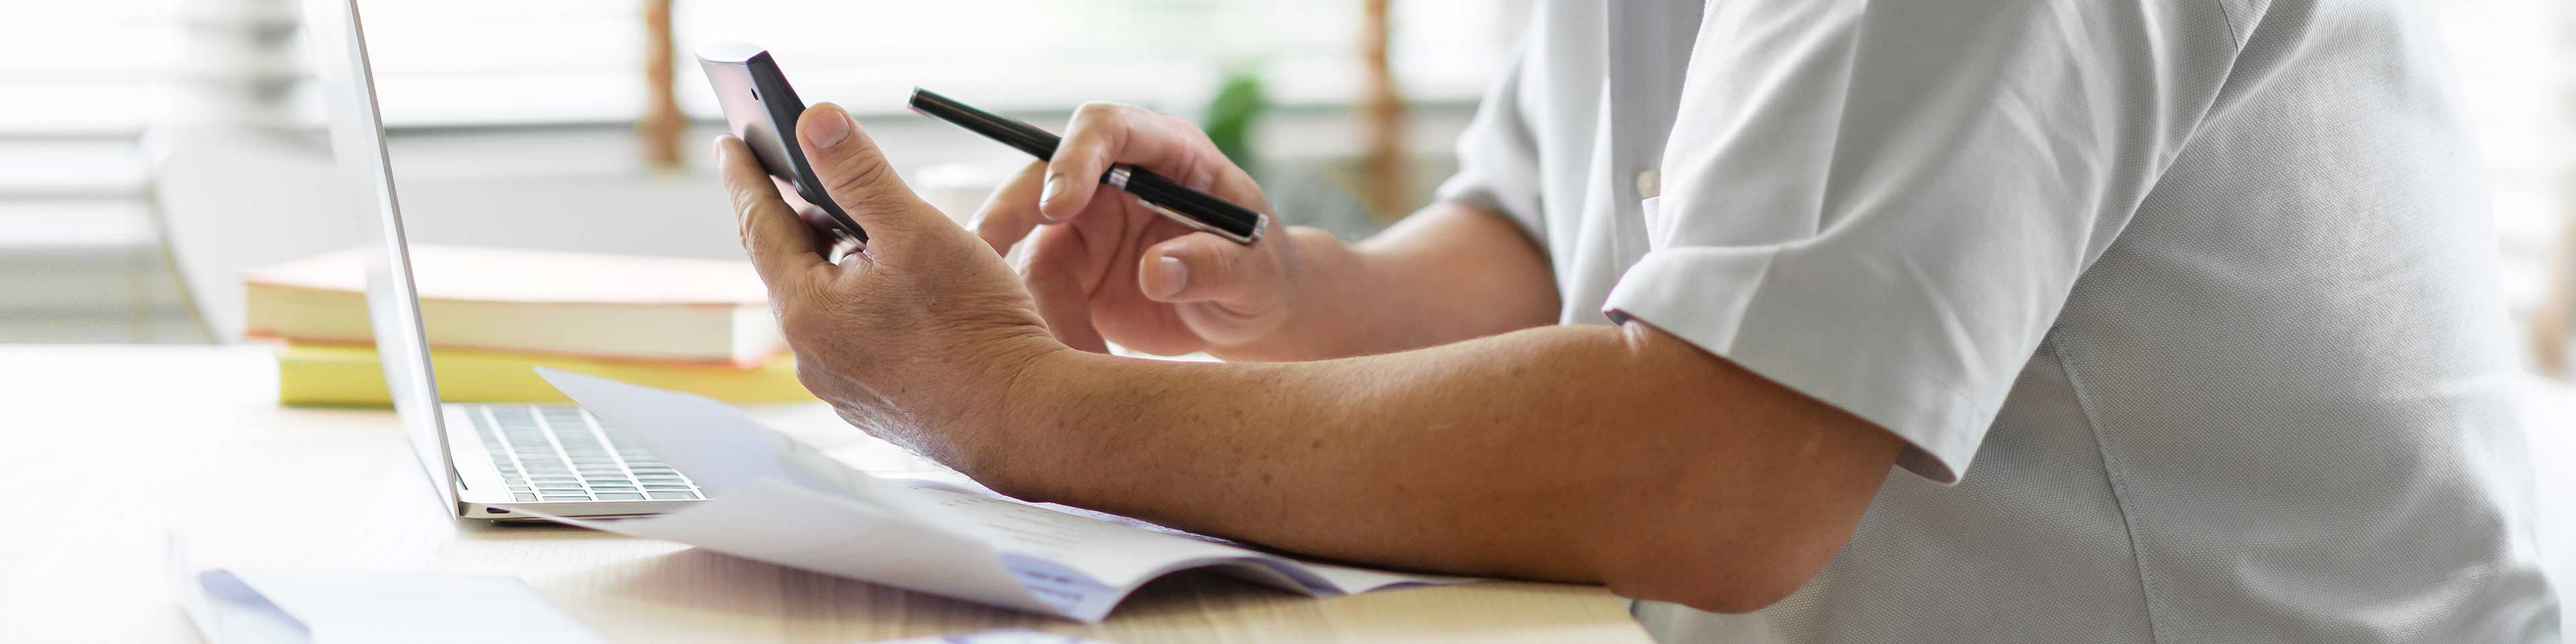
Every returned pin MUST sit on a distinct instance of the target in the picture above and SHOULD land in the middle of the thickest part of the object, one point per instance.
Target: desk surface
(107, 449)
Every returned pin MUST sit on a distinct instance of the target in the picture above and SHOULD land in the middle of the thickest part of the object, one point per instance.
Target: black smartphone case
(762, 110)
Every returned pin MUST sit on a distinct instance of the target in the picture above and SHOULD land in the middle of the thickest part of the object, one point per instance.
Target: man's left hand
(912, 338)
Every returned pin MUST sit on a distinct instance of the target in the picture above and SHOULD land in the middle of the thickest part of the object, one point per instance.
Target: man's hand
(1615, 455)
(907, 336)
(1117, 271)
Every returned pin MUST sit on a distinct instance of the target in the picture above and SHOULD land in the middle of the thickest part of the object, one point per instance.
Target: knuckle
(1187, 129)
(1098, 125)
(1224, 268)
(797, 319)
(1100, 112)
(863, 184)
(741, 218)
(741, 197)
(790, 321)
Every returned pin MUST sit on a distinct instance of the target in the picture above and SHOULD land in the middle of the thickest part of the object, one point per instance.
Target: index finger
(1102, 134)
(1011, 211)
(780, 245)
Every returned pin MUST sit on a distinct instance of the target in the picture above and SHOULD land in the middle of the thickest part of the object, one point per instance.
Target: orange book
(616, 307)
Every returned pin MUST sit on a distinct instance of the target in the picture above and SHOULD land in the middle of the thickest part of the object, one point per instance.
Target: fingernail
(1175, 276)
(1054, 188)
(832, 131)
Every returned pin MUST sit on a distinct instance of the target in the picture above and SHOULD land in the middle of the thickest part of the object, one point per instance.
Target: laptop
(555, 459)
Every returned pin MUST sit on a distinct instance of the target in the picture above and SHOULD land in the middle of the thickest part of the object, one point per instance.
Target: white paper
(342, 606)
(773, 499)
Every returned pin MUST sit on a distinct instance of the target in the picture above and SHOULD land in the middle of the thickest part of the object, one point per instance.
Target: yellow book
(333, 374)
(618, 307)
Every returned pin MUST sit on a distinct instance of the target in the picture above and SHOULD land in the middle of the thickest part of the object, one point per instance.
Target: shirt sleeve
(1498, 162)
(1884, 205)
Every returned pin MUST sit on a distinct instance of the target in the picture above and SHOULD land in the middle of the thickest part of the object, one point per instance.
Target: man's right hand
(1106, 268)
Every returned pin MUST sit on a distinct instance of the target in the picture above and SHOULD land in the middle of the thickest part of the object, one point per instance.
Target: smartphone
(762, 110)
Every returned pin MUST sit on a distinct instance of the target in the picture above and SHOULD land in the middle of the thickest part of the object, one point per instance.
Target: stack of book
(492, 315)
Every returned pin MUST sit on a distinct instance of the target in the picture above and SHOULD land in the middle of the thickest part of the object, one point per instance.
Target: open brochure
(774, 499)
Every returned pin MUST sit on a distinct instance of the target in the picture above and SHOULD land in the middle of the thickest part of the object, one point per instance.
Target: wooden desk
(105, 450)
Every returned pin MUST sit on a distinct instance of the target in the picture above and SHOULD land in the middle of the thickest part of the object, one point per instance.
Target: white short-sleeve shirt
(2193, 300)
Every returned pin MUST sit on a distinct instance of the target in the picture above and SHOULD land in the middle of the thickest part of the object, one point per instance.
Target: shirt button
(1649, 184)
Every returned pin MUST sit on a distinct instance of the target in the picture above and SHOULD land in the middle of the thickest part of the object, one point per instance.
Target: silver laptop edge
(458, 464)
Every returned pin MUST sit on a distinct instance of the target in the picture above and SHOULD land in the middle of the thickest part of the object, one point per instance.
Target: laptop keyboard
(561, 453)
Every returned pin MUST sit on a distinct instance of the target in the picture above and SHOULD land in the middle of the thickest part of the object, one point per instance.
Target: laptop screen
(366, 179)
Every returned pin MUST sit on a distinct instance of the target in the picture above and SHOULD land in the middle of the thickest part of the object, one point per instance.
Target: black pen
(1179, 203)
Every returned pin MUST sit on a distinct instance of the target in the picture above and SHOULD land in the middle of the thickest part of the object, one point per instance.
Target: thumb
(856, 174)
(1201, 267)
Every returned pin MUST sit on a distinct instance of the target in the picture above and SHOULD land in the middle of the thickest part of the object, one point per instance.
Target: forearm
(1444, 274)
(1563, 453)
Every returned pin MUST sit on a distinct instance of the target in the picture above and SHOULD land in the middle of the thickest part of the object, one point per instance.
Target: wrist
(1027, 395)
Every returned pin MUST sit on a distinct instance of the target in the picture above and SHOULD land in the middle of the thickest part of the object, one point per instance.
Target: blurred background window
(80, 255)
(151, 149)
(506, 62)
(138, 134)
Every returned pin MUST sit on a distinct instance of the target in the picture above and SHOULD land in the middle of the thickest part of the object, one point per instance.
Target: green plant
(1231, 114)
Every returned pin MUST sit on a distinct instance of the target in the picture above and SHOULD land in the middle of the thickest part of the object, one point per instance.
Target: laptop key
(671, 496)
(523, 496)
(567, 498)
(618, 496)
